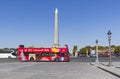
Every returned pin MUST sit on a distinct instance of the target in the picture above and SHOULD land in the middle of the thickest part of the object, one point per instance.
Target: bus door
(61, 56)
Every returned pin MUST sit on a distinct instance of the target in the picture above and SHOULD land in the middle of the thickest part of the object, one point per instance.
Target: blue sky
(81, 22)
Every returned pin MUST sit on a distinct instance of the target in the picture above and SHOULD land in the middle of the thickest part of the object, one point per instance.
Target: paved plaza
(52, 70)
(114, 69)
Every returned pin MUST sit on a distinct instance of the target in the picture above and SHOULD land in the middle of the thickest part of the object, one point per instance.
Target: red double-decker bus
(43, 54)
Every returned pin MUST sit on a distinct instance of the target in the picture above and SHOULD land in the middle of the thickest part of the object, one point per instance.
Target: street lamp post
(109, 40)
(97, 60)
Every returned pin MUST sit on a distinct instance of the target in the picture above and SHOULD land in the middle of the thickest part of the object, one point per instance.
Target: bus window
(26, 53)
(14, 54)
(61, 54)
(47, 54)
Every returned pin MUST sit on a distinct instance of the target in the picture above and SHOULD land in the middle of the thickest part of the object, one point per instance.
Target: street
(13, 69)
(74, 59)
(92, 59)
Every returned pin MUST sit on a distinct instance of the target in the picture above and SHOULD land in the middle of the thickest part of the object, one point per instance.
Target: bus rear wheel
(31, 59)
(9, 57)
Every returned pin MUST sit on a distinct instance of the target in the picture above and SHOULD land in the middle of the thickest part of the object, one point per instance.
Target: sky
(81, 22)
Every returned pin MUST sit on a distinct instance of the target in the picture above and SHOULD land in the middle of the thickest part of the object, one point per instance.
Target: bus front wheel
(57, 60)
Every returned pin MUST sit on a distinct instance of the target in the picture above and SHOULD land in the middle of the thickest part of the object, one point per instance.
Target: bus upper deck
(43, 54)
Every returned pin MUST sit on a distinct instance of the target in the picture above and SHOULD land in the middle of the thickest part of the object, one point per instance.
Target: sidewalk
(115, 69)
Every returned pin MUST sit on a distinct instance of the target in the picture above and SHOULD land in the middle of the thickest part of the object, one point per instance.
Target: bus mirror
(66, 45)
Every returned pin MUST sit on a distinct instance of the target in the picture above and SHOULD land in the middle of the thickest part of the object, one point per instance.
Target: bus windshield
(61, 54)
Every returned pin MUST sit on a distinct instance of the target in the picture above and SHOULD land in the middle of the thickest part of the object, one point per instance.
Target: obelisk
(56, 37)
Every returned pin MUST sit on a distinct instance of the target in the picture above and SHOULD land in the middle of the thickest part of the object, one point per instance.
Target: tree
(75, 49)
(31, 46)
(83, 50)
(117, 49)
(113, 46)
(102, 49)
(88, 49)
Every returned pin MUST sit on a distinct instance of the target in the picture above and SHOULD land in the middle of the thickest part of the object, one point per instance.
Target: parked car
(103, 55)
(117, 54)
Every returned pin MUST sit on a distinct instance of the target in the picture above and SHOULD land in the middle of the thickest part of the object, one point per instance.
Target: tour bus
(43, 54)
(8, 54)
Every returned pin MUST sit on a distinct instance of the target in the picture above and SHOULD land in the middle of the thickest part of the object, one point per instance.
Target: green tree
(113, 46)
(117, 49)
(88, 49)
(83, 50)
(75, 48)
(32, 46)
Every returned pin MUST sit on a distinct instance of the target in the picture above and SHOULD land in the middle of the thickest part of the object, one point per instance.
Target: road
(92, 59)
(74, 59)
(13, 69)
